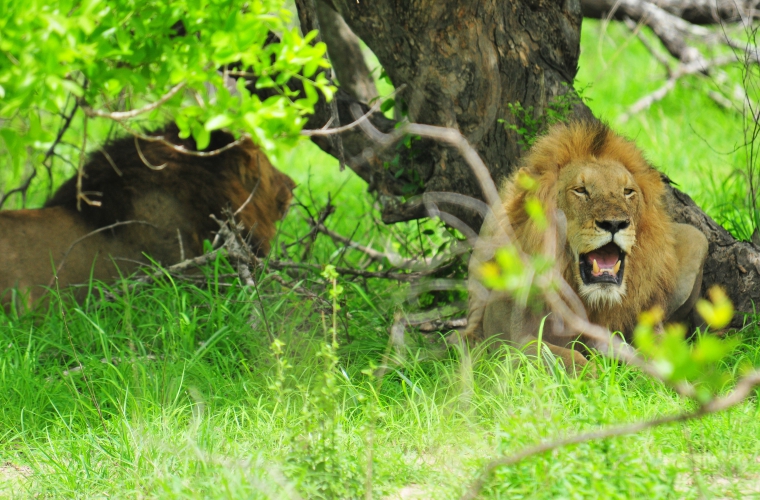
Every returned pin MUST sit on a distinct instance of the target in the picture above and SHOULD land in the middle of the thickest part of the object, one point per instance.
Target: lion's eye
(628, 192)
(580, 190)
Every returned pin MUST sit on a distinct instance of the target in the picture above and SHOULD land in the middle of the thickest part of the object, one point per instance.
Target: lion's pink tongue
(606, 257)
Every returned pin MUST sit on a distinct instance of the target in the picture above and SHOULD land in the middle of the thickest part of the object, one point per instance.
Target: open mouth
(603, 265)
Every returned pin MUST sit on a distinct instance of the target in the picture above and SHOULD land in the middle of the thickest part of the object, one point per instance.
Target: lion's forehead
(603, 175)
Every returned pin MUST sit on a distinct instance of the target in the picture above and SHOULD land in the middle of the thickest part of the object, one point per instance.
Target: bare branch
(182, 149)
(693, 11)
(22, 189)
(126, 115)
(370, 252)
(391, 275)
(635, 28)
(375, 108)
(682, 70)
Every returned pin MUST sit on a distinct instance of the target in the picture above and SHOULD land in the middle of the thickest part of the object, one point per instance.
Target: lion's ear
(691, 250)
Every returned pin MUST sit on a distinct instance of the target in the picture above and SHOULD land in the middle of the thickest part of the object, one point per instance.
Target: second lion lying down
(621, 252)
(164, 213)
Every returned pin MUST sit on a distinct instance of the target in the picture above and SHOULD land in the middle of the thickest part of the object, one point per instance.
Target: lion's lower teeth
(596, 270)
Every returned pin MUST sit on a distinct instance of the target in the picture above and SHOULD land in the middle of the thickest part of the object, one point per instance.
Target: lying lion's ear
(691, 251)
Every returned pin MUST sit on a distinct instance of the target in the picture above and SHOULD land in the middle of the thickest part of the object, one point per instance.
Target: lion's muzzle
(606, 264)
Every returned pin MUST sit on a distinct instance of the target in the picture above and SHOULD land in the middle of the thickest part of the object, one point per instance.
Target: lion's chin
(601, 295)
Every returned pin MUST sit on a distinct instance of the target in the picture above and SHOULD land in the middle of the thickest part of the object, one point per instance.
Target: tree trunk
(461, 63)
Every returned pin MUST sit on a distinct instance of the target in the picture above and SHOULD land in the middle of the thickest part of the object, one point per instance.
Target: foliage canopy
(95, 57)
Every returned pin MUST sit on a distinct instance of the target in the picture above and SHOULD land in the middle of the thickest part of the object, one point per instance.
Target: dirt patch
(12, 476)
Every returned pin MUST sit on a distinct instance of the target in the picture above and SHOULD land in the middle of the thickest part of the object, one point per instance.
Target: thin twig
(370, 252)
(182, 149)
(48, 154)
(404, 277)
(126, 115)
(357, 122)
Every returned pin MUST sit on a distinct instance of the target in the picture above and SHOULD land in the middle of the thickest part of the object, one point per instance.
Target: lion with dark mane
(147, 198)
(617, 246)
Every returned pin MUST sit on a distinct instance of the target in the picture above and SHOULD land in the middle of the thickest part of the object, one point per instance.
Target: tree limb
(693, 11)
(345, 54)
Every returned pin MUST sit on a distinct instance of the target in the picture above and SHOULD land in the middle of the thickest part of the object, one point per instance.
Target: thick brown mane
(593, 179)
(651, 280)
(203, 185)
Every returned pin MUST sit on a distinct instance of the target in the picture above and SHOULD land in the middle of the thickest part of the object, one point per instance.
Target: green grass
(185, 398)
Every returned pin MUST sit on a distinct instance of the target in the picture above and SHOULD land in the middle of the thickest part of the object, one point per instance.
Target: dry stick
(92, 233)
(311, 236)
(299, 289)
(240, 252)
(635, 28)
(681, 71)
(740, 392)
(370, 252)
(182, 149)
(50, 152)
(145, 160)
(126, 115)
(405, 277)
(110, 161)
(395, 259)
(250, 196)
(375, 108)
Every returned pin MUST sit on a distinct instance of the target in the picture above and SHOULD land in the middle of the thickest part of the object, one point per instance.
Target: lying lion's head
(619, 248)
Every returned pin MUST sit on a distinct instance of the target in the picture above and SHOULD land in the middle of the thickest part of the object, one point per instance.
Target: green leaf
(202, 138)
(217, 122)
(387, 105)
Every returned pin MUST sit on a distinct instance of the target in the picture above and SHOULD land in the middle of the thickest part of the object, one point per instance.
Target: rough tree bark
(461, 63)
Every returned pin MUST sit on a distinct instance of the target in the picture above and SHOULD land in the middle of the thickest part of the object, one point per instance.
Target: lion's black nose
(613, 226)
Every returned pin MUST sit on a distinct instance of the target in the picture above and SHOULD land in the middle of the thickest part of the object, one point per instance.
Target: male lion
(619, 250)
(162, 213)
